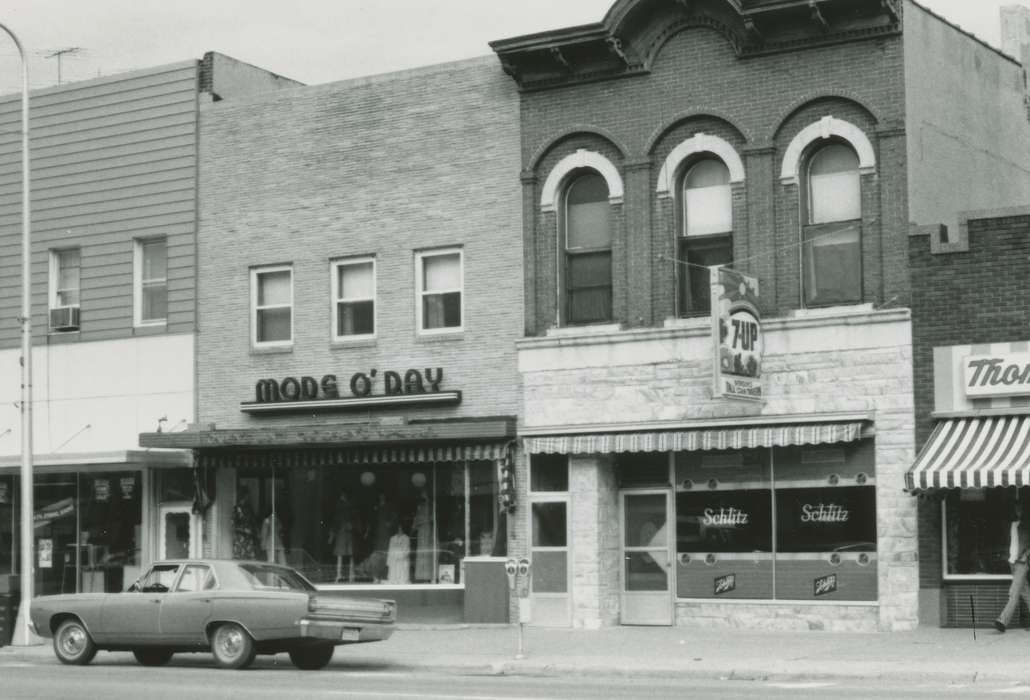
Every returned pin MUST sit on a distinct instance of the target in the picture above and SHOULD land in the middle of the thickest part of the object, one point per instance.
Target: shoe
(998, 625)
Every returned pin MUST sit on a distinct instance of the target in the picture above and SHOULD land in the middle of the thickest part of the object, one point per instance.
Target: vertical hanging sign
(736, 335)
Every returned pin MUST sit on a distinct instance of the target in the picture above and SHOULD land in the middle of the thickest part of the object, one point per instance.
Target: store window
(440, 282)
(706, 239)
(354, 298)
(9, 515)
(976, 530)
(272, 306)
(792, 523)
(587, 228)
(372, 524)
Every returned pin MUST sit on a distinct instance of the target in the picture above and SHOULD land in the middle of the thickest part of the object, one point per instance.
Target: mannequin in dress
(341, 536)
(272, 538)
(398, 564)
(244, 527)
(423, 529)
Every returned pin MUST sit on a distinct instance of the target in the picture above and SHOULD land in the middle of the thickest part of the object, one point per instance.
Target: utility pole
(58, 54)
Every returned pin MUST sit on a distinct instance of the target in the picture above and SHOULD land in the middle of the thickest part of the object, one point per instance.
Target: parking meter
(511, 567)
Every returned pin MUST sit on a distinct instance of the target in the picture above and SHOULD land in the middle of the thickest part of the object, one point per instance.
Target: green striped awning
(974, 452)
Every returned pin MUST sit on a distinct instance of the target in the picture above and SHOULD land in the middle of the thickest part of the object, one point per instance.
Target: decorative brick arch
(582, 158)
(823, 129)
(699, 143)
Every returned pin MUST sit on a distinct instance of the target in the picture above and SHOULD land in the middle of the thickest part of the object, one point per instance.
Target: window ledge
(440, 337)
(344, 344)
(277, 350)
(688, 322)
(584, 330)
(150, 329)
(838, 310)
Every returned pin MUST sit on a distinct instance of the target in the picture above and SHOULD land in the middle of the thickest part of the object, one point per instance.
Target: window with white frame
(706, 239)
(151, 281)
(440, 282)
(65, 266)
(272, 305)
(587, 224)
(354, 298)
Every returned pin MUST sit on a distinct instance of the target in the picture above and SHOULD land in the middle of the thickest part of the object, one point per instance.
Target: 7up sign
(736, 334)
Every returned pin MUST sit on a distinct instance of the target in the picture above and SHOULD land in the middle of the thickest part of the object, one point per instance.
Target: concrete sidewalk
(940, 655)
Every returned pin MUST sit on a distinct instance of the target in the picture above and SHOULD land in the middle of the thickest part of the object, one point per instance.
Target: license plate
(350, 634)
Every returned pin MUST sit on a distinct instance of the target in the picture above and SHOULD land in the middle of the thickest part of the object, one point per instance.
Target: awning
(735, 438)
(974, 452)
(303, 458)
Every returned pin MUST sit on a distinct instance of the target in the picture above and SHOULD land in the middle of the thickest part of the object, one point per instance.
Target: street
(193, 676)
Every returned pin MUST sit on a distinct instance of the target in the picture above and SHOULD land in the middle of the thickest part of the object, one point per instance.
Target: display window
(370, 524)
(976, 530)
(794, 523)
(8, 526)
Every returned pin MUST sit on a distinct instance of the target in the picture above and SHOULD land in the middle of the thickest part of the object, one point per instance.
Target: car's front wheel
(232, 646)
(312, 658)
(72, 643)
(152, 657)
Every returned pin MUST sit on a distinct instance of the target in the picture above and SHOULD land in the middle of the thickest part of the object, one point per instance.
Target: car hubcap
(73, 640)
(231, 642)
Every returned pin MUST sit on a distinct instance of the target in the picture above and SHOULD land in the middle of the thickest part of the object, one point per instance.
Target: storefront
(407, 511)
(784, 513)
(974, 470)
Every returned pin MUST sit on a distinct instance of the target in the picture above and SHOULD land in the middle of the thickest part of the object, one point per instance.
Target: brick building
(359, 298)
(798, 143)
(114, 193)
(969, 307)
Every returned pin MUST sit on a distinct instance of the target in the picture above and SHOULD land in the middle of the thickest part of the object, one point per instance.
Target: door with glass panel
(646, 576)
(179, 532)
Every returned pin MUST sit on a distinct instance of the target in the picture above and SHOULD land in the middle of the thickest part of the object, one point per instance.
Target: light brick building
(800, 143)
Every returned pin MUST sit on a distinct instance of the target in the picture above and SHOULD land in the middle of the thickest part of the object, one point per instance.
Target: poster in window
(736, 335)
(45, 547)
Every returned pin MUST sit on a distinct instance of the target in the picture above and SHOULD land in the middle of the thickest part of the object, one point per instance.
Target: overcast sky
(314, 41)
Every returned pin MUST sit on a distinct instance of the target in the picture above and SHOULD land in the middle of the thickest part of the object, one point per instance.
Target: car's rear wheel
(152, 657)
(312, 658)
(72, 643)
(232, 646)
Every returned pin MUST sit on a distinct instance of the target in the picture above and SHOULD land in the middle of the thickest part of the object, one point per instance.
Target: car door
(187, 608)
(134, 616)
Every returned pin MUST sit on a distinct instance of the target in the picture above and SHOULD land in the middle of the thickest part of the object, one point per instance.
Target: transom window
(272, 305)
(354, 298)
(151, 288)
(440, 283)
(832, 251)
(65, 266)
(706, 239)
(588, 250)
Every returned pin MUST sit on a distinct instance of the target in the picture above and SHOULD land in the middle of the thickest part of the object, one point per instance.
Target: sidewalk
(941, 655)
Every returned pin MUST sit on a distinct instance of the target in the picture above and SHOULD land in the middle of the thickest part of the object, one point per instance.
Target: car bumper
(345, 633)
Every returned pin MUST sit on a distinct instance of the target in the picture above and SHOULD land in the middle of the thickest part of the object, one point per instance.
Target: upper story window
(271, 305)
(150, 287)
(354, 298)
(706, 237)
(588, 250)
(832, 251)
(65, 267)
(440, 284)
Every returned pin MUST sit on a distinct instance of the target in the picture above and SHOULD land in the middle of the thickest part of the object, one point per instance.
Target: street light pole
(22, 634)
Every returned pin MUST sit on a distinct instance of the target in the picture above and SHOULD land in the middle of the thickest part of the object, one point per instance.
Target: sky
(313, 41)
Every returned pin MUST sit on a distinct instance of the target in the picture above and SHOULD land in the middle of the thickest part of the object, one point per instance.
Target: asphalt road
(193, 676)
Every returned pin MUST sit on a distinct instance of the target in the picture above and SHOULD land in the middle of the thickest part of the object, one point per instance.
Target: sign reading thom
(1001, 374)
(361, 390)
(736, 334)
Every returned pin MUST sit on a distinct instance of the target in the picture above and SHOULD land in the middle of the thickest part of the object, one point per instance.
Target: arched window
(588, 250)
(706, 238)
(832, 234)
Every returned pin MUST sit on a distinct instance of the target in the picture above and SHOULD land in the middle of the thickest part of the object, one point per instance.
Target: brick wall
(698, 84)
(977, 296)
(381, 166)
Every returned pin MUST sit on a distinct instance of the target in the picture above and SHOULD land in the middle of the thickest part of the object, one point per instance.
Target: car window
(264, 577)
(159, 579)
(194, 578)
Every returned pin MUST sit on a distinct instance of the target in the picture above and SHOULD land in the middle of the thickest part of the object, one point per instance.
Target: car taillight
(312, 603)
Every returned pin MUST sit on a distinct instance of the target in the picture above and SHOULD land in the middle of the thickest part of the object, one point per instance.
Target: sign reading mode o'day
(998, 374)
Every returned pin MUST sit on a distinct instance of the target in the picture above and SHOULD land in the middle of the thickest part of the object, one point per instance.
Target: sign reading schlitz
(725, 584)
(825, 585)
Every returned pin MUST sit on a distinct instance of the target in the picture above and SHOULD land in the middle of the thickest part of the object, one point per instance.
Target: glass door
(179, 535)
(646, 577)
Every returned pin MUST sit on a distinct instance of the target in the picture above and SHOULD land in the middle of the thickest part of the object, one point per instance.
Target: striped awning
(974, 452)
(322, 457)
(736, 438)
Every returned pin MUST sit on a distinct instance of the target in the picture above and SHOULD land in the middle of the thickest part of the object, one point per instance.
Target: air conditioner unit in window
(64, 318)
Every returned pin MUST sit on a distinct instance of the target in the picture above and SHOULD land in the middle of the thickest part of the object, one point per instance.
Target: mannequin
(272, 538)
(341, 536)
(398, 558)
(426, 552)
(384, 525)
(244, 528)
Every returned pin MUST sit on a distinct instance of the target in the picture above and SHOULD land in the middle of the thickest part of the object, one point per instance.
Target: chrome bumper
(345, 632)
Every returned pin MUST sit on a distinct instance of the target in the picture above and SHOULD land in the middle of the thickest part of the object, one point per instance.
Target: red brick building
(798, 143)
